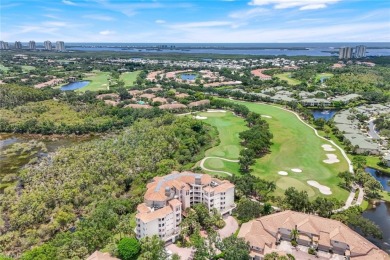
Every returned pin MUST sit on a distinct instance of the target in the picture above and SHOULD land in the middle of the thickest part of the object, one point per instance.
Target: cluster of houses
(206, 77)
(326, 235)
(309, 99)
(148, 98)
(362, 135)
(167, 198)
(234, 64)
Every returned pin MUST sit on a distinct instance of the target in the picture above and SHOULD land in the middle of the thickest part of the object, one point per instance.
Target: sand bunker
(332, 158)
(216, 111)
(282, 173)
(200, 117)
(328, 148)
(322, 188)
(266, 116)
(296, 170)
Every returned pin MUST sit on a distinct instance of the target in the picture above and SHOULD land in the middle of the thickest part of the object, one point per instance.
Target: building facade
(264, 235)
(345, 53)
(168, 196)
(18, 45)
(360, 51)
(31, 45)
(4, 45)
(47, 45)
(60, 46)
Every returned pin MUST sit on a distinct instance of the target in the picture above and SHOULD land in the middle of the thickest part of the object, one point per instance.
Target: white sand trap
(332, 158)
(200, 117)
(282, 173)
(296, 170)
(216, 111)
(322, 188)
(328, 148)
(266, 116)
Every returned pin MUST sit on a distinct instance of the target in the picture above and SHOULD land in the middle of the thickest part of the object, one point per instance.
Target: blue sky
(196, 20)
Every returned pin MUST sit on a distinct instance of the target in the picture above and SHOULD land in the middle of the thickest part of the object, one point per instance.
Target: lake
(74, 85)
(11, 164)
(325, 114)
(383, 179)
(380, 215)
(188, 76)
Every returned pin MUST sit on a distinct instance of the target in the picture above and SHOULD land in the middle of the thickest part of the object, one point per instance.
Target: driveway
(183, 252)
(230, 227)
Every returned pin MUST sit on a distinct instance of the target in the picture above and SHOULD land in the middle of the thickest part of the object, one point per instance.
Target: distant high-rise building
(345, 53)
(4, 45)
(48, 45)
(31, 45)
(60, 46)
(360, 51)
(18, 45)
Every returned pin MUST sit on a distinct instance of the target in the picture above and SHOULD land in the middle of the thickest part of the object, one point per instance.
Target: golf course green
(295, 146)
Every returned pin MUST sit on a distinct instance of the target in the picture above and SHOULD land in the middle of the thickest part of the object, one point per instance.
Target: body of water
(383, 179)
(188, 76)
(74, 85)
(288, 49)
(325, 114)
(380, 215)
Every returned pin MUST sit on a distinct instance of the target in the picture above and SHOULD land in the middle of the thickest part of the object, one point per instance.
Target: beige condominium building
(327, 235)
(168, 196)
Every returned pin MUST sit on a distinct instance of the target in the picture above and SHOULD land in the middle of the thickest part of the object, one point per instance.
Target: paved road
(230, 227)
(210, 170)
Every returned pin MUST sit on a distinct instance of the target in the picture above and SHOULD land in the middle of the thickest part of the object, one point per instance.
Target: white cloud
(201, 24)
(248, 14)
(98, 17)
(67, 2)
(54, 24)
(302, 4)
(160, 21)
(106, 32)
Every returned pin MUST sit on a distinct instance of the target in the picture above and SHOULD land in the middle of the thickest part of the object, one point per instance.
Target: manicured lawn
(98, 81)
(129, 77)
(3, 68)
(295, 146)
(323, 75)
(372, 161)
(229, 126)
(26, 68)
(286, 76)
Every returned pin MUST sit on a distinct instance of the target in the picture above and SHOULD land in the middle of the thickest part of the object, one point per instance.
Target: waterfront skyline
(196, 21)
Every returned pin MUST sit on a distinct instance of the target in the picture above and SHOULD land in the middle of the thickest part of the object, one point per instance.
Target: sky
(195, 21)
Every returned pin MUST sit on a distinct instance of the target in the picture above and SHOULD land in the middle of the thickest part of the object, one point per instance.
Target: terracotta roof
(326, 229)
(97, 255)
(174, 203)
(111, 95)
(160, 213)
(199, 103)
(138, 106)
(160, 99)
(143, 208)
(181, 95)
(111, 102)
(134, 92)
(172, 106)
(148, 96)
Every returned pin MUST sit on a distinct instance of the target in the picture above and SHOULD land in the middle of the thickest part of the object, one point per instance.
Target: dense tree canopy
(64, 190)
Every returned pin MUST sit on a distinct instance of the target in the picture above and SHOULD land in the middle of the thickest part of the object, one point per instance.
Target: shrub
(128, 248)
(311, 251)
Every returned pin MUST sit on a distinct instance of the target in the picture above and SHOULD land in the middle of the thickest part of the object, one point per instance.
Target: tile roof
(326, 229)
(160, 213)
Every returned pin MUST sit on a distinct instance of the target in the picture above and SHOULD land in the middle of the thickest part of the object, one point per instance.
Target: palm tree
(294, 235)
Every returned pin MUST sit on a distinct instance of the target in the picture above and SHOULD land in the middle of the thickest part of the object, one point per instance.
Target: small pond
(383, 179)
(188, 76)
(74, 85)
(380, 215)
(325, 114)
